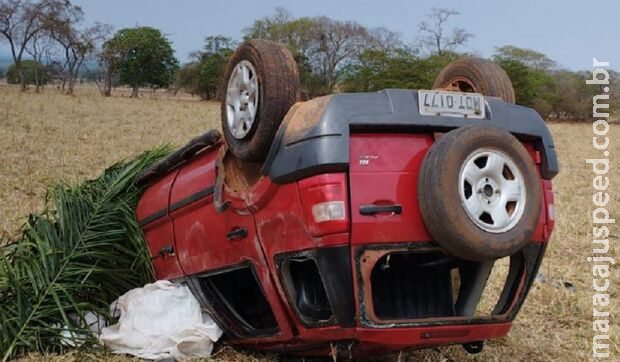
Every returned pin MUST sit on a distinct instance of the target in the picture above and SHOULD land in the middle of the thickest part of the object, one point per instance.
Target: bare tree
(436, 40)
(109, 59)
(62, 30)
(76, 43)
(337, 42)
(322, 47)
(21, 20)
(271, 27)
(384, 39)
(39, 47)
(86, 47)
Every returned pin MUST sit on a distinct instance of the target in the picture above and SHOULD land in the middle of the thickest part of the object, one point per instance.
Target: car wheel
(261, 83)
(479, 193)
(476, 75)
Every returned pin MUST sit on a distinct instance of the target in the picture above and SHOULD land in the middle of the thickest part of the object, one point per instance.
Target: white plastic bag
(160, 320)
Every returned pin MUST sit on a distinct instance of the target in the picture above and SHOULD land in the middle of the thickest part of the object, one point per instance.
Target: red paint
(550, 206)
(384, 169)
(160, 233)
(398, 338)
(194, 177)
(542, 232)
(156, 197)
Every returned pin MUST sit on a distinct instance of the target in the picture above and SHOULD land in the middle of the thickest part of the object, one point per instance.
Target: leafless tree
(384, 39)
(21, 20)
(435, 38)
(108, 62)
(337, 42)
(323, 47)
(62, 30)
(272, 27)
(40, 46)
(76, 43)
(110, 58)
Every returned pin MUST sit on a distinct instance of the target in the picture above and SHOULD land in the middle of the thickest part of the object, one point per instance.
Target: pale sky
(570, 32)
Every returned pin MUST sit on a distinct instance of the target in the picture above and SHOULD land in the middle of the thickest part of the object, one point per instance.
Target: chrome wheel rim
(492, 190)
(242, 99)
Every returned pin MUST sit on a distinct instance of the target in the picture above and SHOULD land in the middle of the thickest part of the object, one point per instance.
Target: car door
(152, 214)
(208, 240)
(213, 247)
(383, 178)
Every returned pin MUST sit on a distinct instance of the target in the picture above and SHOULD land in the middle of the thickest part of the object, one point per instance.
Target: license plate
(451, 104)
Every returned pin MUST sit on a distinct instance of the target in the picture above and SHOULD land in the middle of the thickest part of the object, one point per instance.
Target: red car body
(274, 278)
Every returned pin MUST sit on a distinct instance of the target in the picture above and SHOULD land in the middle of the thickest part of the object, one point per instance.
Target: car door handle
(237, 233)
(167, 249)
(371, 209)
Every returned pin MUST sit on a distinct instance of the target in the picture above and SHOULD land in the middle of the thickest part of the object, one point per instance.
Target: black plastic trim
(334, 265)
(192, 198)
(177, 158)
(369, 210)
(153, 217)
(324, 147)
(237, 233)
(532, 256)
(177, 205)
(223, 314)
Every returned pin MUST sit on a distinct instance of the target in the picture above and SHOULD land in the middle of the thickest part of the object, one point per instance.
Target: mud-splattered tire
(476, 75)
(261, 83)
(479, 193)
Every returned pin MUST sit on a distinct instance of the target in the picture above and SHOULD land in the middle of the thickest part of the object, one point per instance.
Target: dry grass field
(50, 137)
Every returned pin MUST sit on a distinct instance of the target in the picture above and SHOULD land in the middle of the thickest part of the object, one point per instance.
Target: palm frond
(81, 253)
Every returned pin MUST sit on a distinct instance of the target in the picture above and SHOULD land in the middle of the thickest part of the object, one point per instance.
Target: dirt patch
(240, 175)
(302, 117)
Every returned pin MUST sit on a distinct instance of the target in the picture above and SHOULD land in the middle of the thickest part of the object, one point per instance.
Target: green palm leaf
(80, 254)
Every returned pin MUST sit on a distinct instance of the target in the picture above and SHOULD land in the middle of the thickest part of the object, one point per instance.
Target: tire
(454, 212)
(478, 76)
(272, 87)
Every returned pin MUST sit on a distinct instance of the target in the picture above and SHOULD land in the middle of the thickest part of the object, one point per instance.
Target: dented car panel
(320, 251)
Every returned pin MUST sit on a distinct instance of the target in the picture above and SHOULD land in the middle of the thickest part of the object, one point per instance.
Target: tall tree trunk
(134, 92)
(37, 77)
(70, 86)
(69, 90)
(107, 87)
(70, 80)
(22, 76)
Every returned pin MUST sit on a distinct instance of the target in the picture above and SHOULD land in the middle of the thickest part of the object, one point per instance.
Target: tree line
(53, 37)
(332, 56)
(345, 56)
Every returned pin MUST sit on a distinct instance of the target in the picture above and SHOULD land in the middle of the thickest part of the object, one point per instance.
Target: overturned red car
(355, 223)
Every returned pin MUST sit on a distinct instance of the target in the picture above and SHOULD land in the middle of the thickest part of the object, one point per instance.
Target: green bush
(29, 67)
(204, 75)
(401, 68)
(534, 88)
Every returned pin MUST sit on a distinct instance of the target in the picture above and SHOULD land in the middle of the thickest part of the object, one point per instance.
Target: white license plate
(451, 104)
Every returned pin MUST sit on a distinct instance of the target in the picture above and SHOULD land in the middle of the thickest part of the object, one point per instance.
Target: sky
(570, 32)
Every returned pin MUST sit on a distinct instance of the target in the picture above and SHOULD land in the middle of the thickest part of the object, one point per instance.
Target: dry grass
(50, 137)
